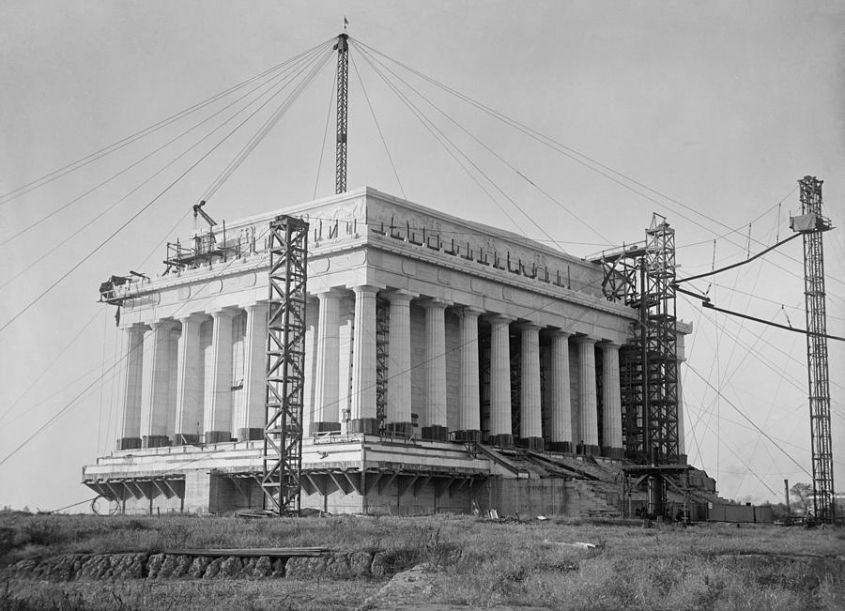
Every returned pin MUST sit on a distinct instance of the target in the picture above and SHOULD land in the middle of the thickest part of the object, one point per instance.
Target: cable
(747, 419)
(378, 127)
(75, 165)
(139, 161)
(749, 260)
(132, 218)
(265, 128)
(706, 304)
(85, 390)
(325, 132)
(502, 160)
(96, 218)
(440, 137)
(572, 153)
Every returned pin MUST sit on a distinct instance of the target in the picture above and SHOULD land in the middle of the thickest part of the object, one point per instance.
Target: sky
(705, 112)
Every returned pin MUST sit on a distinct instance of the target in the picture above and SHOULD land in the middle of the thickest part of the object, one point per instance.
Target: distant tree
(802, 495)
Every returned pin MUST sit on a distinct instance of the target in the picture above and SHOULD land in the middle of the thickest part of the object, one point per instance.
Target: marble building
(475, 340)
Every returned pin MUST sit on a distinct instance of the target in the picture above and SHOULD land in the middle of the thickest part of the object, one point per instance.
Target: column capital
(400, 296)
(500, 318)
(366, 289)
(137, 327)
(560, 333)
(610, 344)
(434, 302)
(257, 305)
(584, 339)
(223, 313)
(332, 291)
(527, 325)
(162, 323)
(465, 310)
(197, 316)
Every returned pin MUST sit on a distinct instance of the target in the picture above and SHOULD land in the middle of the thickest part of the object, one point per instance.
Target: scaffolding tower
(282, 458)
(642, 275)
(812, 224)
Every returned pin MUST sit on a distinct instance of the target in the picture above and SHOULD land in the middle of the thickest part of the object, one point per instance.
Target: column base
(564, 447)
(435, 433)
(368, 426)
(185, 439)
(156, 441)
(400, 429)
(250, 434)
(537, 444)
(217, 436)
(503, 441)
(129, 443)
(590, 450)
(325, 427)
(468, 436)
(614, 453)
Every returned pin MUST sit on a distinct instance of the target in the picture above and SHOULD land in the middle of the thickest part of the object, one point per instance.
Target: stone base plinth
(368, 426)
(185, 439)
(250, 434)
(615, 453)
(503, 441)
(218, 436)
(156, 441)
(129, 443)
(564, 447)
(537, 444)
(435, 433)
(590, 450)
(400, 429)
(468, 436)
(325, 427)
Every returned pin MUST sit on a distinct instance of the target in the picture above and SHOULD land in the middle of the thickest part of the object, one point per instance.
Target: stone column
(327, 391)
(158, 409)
(561, 398)
(251, 416)
(530, 417)
(611, 402)
(501, 432)
(132, 381)
(364, 418)
(189, 371)
(469, 401)
(435, 369)
(218, 402)
(589, 434)
(399, 369)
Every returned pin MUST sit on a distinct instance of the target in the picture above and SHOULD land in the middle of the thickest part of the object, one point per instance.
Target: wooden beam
(372, 479)
(351, 477)
(386, 484)
(411, 479)
(419, 484)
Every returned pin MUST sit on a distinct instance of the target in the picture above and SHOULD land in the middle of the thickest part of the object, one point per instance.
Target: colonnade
(200, 378)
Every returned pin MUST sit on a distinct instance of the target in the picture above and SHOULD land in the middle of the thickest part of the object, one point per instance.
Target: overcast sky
(716, 109)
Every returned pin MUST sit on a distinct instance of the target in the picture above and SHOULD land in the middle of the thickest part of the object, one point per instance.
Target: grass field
(469, 563)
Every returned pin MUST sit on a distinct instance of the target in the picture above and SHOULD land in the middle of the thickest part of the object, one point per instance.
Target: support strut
(282, 458)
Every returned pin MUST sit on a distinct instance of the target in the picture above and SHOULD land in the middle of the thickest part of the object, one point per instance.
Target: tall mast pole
(812, 224)
(342, 47)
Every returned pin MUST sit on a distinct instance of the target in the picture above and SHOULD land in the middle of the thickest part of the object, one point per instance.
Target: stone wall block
(154, 565)
(262, 567)
(181, 566)
(199, 566)
(231, 567)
